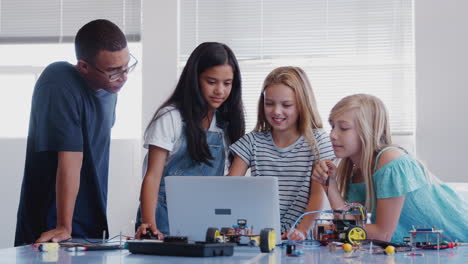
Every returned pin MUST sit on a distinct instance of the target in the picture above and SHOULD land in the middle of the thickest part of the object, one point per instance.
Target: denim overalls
(181, 164)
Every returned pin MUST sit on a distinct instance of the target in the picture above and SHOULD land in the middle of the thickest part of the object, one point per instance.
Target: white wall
(159, 41)
(124, 186)
(12, 155)
(442, 86)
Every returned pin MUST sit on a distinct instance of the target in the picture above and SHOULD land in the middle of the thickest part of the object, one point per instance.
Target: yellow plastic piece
(390, 250)
(356, 234)
(218, 236)
(271, 240)
(48, 247)
(347, 247)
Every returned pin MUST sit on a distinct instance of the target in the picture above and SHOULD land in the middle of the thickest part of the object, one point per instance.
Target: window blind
(345, 46)
(46, 21)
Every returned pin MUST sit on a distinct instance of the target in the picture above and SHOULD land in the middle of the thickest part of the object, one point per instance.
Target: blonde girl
(288, 139)
(394, 187)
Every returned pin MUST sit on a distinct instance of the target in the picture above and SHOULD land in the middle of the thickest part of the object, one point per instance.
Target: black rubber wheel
(211, 234)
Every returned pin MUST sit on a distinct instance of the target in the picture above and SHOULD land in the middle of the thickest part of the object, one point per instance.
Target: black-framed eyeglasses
(115, 76)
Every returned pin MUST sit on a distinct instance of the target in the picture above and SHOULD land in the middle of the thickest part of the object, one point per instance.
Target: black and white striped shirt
(292, 165)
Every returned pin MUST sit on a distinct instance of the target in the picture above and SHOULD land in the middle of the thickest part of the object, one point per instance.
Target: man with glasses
(64, 190)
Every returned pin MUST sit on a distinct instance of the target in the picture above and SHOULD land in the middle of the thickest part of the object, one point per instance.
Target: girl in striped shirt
(286, 142)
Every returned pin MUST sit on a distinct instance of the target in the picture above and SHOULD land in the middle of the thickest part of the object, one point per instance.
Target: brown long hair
(187, 98)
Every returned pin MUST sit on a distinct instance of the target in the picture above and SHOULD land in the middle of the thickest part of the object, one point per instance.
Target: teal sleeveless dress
(425, 204)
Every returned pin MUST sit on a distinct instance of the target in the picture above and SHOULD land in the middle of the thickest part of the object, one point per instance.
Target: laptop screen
(196, 203)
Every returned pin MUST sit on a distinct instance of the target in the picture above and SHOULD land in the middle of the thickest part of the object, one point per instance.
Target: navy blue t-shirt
(66, 115)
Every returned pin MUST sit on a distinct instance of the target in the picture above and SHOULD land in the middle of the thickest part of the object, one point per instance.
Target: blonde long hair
(309, 118)
(373, 127)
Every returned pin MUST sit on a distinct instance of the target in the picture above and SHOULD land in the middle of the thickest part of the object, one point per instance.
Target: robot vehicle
(346, 226)
(242, 234)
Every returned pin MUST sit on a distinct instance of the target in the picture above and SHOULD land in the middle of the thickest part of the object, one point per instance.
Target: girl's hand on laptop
(148, 230)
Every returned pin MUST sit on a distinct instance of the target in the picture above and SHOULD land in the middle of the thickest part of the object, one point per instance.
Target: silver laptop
(196, 203)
